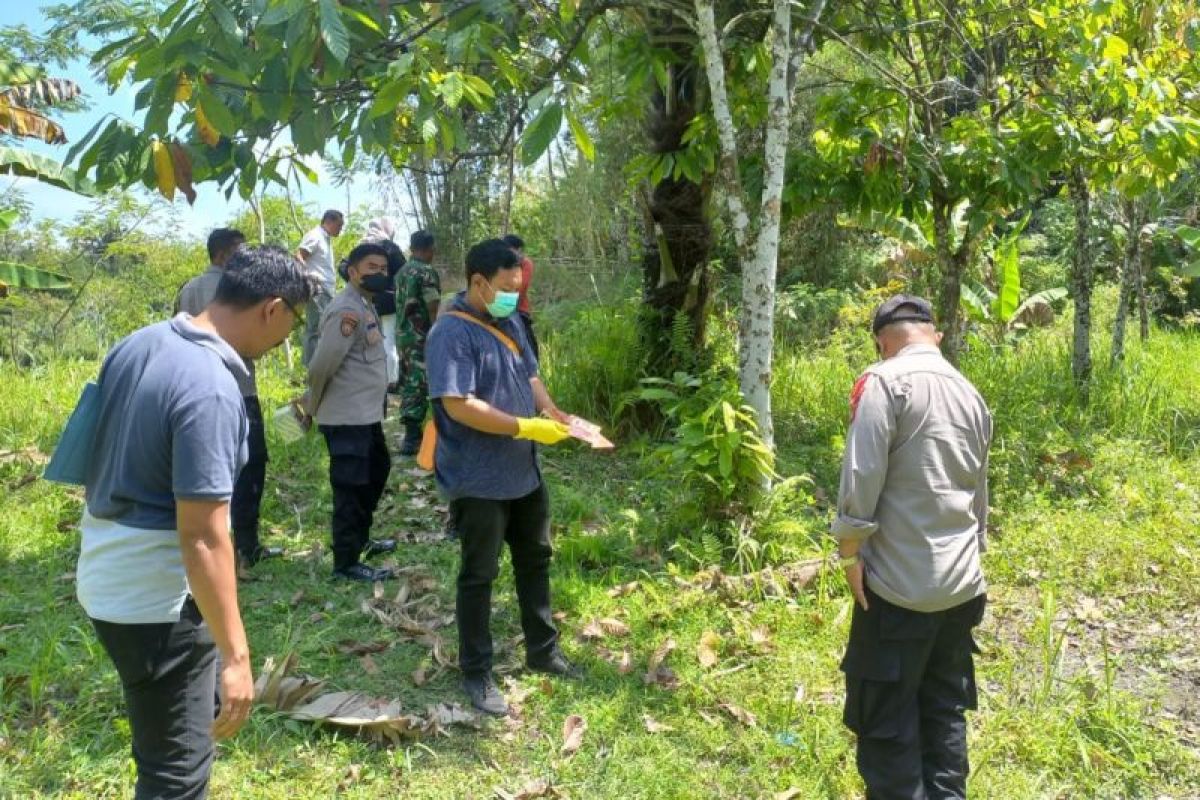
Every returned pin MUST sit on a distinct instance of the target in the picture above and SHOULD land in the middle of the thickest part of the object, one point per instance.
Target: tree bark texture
(678, 236)
(1130, 268)
(1082, 278)
(758, 251)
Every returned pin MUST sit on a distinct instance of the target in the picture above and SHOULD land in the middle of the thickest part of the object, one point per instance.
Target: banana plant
(25, 94)
(20, 276)
(1004, 308)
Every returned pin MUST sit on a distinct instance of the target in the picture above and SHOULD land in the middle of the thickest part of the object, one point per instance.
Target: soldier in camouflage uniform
(418, 294)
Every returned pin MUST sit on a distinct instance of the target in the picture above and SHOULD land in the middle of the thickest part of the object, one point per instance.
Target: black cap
(901, 308)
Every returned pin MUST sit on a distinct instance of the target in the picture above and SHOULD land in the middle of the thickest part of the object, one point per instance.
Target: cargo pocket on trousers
(872, 691)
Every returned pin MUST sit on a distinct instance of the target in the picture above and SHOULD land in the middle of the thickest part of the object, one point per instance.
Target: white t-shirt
(319, 246)
(129, 576)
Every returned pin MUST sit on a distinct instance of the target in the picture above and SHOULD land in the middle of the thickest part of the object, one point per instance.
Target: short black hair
(420, 240)
(261, 272)
(364, 249)
(489, 257)
(221, 239)
(514, 241)
(332, 215)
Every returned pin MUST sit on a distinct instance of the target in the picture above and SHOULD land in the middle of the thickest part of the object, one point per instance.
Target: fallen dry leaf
(419, 678)
(536, 788)
(614, 627)
(369, 666)
(740, 714)
(654, 726)
(760, 638)
(625, 665)
(706, 650)
(623, 590)
(657, 672)
(296, 598)
(377, 718)
(709, 718)
(790, 794)
(573, 728)
(591, 631)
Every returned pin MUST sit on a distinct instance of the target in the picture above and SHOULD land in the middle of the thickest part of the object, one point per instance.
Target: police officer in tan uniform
(347, 380)
(911, 521)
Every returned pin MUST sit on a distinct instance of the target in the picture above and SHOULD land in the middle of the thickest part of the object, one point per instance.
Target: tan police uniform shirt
(914, 480)
(347, 376)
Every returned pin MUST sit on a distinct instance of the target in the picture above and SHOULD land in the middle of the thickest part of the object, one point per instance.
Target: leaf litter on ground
(574, 727)
(379, 719)
(658, 673)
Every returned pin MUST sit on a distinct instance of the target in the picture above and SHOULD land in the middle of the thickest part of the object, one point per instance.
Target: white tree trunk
(727, 166)
(759, 252)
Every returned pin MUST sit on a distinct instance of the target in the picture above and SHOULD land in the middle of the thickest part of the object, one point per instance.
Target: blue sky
(211, 208)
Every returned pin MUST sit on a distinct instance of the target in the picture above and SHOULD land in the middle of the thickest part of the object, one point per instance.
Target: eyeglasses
(298, 314)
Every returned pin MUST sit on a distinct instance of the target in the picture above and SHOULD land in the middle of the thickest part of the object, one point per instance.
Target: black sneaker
(377, 547)
(260, 553)
(361, 572)
(485, 695)
(554, 663)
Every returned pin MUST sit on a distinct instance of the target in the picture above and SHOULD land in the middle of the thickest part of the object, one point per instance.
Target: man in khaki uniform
(347, 380)
(912, 513)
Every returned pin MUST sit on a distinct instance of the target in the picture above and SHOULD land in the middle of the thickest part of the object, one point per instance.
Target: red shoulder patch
(856, 393)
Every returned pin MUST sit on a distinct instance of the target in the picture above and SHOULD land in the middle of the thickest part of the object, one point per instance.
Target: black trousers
(910, 676)
(527, 321)
(483, 528)
(248, 490)
(168, 673)
(359, 464)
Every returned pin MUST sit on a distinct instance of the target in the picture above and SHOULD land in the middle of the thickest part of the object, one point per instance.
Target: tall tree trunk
(951, 264)
(421, 179)
(759, 251)
(1130, 267)
(1144, 251)
(508, 186)
(679, 238)
(1082, 276)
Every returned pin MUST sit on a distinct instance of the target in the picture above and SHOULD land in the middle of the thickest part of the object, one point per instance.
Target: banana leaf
(18, 161)
(19, 276)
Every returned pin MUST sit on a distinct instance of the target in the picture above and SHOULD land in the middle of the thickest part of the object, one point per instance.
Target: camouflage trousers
(414, 388)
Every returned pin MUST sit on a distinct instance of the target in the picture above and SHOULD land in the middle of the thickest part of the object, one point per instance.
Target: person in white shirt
(316, 254)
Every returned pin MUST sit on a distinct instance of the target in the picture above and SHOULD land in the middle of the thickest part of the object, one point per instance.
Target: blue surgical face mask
(504, 304)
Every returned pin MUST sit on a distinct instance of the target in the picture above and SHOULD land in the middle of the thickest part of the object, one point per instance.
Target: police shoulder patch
(349, 323)
(856, 393)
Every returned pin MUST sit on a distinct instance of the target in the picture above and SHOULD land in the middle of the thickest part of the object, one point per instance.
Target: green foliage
(713, 447)
(399, 83)
(27, 164)
(593, 360)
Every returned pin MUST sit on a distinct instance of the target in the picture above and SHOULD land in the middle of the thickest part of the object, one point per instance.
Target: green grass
(1088, 675)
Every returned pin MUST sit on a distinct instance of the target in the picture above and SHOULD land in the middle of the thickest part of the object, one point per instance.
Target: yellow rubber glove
(543, 431)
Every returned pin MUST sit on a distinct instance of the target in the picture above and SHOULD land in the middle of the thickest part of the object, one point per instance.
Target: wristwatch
(849, 561)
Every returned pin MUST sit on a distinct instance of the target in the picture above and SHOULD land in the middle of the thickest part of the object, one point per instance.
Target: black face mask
(376, 283)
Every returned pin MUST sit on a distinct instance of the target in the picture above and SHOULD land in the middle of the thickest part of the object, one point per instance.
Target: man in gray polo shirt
(912, 512)
(156, 565)
(244, 507)
(483, 379)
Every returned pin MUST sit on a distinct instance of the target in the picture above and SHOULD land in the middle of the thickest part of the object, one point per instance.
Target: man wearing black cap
(912, 512)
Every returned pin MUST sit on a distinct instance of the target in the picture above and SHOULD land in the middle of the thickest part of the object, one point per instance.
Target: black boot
(412, 439)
